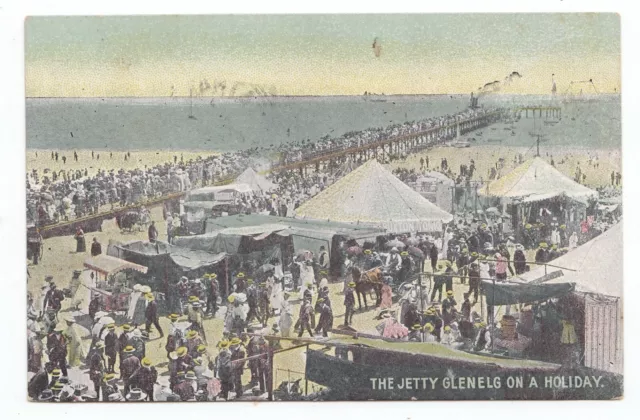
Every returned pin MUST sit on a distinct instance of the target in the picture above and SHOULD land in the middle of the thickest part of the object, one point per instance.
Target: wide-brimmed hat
(196, 304)
(231, 299)
(190, 376)
(543, 245)
(145, 362)
(240, 275)
(449, 292)
(58, 386)
(136, 394)
(173, 317)
(56, 372)
(193, 298)
(116, 396)
(129, 349)
(367, 251)
(80, 389)
(429, 327)
(201, 348)
(223, 344)
(351, 284)
(235, 341)
(46, 395)
(145, 289)
(416, 327)
(149, 296)
(192, 334)
(126, 328)
(111, 326)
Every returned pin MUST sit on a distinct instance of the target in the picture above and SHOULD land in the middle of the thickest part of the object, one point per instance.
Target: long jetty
(382, 148)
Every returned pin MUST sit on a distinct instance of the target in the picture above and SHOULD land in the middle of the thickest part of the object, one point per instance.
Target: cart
(112, 280)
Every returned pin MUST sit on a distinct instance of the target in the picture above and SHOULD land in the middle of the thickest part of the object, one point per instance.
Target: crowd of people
(53, 196)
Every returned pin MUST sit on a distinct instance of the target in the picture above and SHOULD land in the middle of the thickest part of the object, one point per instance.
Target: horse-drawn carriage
(131, 220)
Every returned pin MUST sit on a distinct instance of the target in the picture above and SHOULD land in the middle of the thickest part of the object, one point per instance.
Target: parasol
(415, 251)
(395, 243)
(354, 250)
(265, 267)
(411, 241)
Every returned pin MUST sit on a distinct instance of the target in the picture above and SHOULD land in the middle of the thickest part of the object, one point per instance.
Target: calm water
(231, 124)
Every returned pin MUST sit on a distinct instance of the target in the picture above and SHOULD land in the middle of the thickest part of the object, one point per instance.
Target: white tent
(371, 195)
(597, 266)
(536, 180)
(598, 275)
(255, 181)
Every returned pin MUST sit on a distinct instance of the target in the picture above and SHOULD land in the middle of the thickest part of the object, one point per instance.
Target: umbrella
(239, 297)
(412, 241)
(415, 251)
(493, 210)
(354, 250)
(266, 267)
(395, 243)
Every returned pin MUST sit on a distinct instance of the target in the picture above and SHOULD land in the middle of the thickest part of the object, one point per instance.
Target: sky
(240, 55)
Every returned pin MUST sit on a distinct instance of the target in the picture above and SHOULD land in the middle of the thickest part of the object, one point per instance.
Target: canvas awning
(513, 293)
(106, 265)
(595, 267)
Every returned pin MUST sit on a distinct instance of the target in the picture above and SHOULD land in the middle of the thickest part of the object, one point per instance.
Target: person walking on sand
(153, 232)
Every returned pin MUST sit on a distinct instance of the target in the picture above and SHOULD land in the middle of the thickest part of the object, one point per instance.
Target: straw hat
(136, 394)
(449, 292)
(447, 328)
(181, 351)
(429, 327)
(111, 326)
(145, 289)
(235, 341)
(115, 397)
(190, 376)
(231, 299)
(367, 251)
(351, 284)
(145, 362)
(173, 317)
(109, 377)
(126, 328)
(46, 395)
(223, 344)
(240, 275)
(149, 297)
(192, 334)
(129, 349)
(416, 327)
(193, 299)
(201, 348)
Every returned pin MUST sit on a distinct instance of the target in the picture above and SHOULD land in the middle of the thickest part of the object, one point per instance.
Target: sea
(230, 124)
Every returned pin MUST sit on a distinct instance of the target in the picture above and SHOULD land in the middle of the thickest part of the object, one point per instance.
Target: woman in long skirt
(81, 244)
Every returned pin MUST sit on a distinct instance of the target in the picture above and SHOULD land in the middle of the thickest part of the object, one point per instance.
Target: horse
(366, 282)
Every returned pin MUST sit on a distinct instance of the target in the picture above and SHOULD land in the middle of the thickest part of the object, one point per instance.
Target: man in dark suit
(96, 367)
(129, 365)
(96, 247)
(111, 347)
(151, 314)
(145, 377)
